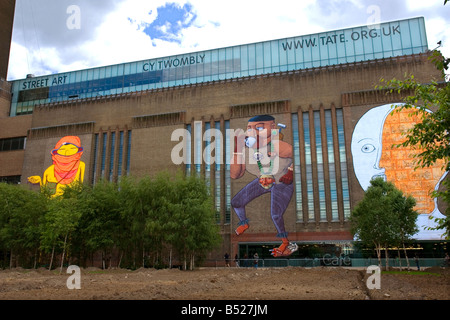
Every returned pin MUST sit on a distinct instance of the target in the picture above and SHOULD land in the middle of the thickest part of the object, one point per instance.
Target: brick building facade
(131, 133)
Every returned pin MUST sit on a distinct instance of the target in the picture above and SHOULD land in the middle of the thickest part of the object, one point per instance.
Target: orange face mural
(67, 167)
(374, 155)
(400, 166)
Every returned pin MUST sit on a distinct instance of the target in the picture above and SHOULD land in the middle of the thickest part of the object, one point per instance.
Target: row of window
(219, 183)
(10, 179)
(11, 144)
(111, 155)
(75, 90)
(324, 155)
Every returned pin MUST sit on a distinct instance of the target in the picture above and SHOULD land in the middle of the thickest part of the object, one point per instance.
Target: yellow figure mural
(66, 168)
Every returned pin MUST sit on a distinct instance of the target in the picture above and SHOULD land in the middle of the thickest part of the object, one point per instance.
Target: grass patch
(97, 271)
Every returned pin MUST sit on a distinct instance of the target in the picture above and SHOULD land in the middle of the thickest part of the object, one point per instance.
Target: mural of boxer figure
(66, 168)
(261, 153)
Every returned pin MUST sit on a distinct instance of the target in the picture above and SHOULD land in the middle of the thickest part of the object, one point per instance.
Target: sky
(54, 36)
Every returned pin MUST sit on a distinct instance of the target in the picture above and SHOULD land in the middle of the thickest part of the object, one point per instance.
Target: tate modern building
(287, 133)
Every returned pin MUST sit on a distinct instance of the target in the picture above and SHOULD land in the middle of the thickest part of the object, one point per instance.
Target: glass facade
(322, 49)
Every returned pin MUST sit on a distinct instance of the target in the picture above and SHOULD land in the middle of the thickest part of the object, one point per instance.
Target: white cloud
(18, 61)
(238, 22)
(441, 27)
(118, 36)
(121, 38)
(413, 5)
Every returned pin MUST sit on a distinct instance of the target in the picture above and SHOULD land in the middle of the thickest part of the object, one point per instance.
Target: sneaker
(241, 229)
(286, 249)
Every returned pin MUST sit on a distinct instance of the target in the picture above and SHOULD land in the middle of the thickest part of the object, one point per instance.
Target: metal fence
(328, 261)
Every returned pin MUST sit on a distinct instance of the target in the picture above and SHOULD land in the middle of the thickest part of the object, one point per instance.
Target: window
(297, 170)
(308, 164)
(113, 164)
(217, 180)
(10, 179)
(94, 163)
(12, 144)
(343, 160)
(198, 147)
(320, 167)
(111, 156)
(188, 150)
(104, 143)
(120, 158)
(208, 154)
(227, 173)
(331, 166)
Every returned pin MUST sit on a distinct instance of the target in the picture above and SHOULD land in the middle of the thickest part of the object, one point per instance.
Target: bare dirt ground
(291, 283)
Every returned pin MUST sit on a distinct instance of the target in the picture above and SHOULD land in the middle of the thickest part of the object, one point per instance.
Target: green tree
(100, 225)
(21, 212)
(159, 222)
(407, 217)
(139, 204)
(430, 136)
(170, 213)
(384, 217)
(60, 222)
(192, 228)
(167, 214)
(150, 217)
(129, 233)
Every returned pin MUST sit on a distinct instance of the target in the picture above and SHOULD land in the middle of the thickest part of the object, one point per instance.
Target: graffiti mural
(66, 169)
(374, 156)
(262, 153)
